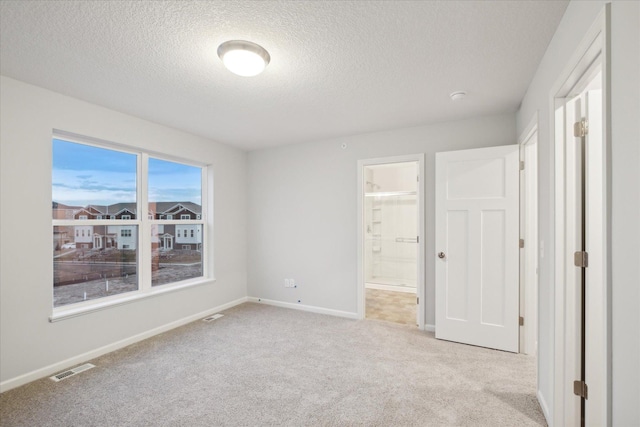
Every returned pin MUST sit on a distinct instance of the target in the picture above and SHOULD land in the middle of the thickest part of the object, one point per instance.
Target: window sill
(70, 312)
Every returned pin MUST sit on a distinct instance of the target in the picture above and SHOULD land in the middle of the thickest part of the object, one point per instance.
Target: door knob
(441, 255)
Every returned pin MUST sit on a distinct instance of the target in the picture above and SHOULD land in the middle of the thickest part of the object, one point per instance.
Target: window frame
(144, 224)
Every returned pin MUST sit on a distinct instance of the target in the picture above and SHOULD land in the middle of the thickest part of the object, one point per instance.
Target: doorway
(581, 134)
(390, 243)
(529, 239)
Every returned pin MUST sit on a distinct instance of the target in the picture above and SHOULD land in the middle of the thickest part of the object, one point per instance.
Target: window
(99, 177)
(166, 196)
(192, 233)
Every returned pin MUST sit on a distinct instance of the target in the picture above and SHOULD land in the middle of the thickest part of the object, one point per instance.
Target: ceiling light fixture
(456, 96)
(243, 58)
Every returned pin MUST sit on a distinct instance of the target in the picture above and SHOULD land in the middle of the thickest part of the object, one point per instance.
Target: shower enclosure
(391, 226)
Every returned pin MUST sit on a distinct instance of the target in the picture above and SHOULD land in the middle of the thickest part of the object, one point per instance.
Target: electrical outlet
(287, 283)
(292, 283)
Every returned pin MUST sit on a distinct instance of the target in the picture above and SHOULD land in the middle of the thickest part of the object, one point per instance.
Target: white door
(477, 247)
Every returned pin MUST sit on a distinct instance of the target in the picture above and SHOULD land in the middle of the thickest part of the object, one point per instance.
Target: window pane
(175, 190)
(92, 183)
(93, 261)
(176, 255)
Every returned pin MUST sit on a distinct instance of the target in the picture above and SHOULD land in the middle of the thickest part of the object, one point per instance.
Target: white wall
(303, 208)
(28, 341)
(625, 111)
(625, 211)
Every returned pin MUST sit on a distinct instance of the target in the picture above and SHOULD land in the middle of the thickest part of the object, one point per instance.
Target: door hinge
(521, 321)
(581, 259)
(521, 243)
(580, 389)
(522, 165)
(417, 239)
(418, 178)
(417, 300)
(580, 129)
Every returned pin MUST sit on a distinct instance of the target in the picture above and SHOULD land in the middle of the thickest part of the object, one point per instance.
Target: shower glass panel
(391, 225)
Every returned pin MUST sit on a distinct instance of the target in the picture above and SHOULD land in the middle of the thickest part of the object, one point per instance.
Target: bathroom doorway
(391, 245)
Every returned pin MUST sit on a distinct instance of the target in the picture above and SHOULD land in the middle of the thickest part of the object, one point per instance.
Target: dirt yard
(77, 281)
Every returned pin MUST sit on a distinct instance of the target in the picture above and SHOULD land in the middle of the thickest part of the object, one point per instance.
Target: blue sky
(85, 175)
(174, 182)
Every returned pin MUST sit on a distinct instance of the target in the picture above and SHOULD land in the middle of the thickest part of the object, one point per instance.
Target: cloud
(92, 187)
(108, 187)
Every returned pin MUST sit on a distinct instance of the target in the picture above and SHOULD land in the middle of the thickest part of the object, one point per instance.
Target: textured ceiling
(337, 68)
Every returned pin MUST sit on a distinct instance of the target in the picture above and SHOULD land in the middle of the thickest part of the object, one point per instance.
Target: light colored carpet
(267, 366)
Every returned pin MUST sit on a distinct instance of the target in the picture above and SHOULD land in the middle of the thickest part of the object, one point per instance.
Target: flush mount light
(458, 95)
(243, 58)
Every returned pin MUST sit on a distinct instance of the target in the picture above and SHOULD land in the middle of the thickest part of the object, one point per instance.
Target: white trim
(123, 209)
(79, 309)
(544, 407)
(529, 226)
(145, 239)
(592, 48)
(180, 204)
(392, 288)
(93, 222)
(302, 307)
(420, 282)
(429, 328)
(92, 354)
(177, 221)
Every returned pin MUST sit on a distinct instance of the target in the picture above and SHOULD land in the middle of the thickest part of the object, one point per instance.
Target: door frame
(594, 47)
(529, 226)
(420, 197)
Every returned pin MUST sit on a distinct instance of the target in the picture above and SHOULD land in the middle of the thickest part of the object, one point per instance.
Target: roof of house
(116, 208)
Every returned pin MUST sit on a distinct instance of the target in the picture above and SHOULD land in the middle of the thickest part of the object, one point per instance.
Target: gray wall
(625, 112)
(303, 208)
(28, 341)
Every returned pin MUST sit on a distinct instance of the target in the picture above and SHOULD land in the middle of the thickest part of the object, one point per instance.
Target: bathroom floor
(397, 307)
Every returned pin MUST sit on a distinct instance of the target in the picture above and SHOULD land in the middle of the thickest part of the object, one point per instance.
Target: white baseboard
(544, 407)
(70, 362)
(310, 308)
(430, 328)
